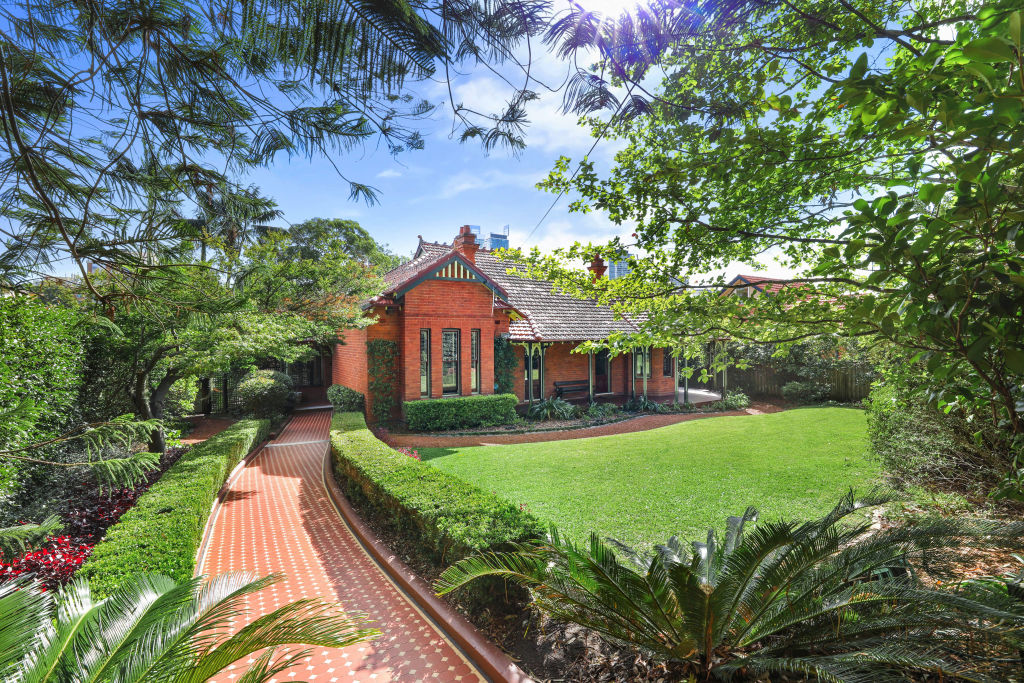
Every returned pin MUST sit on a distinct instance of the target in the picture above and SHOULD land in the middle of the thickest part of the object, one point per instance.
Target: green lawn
(641, 488)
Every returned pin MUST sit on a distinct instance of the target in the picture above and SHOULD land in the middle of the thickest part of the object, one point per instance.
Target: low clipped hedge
(345, 399)
(458, 412)
(436, 516)
(164, 529)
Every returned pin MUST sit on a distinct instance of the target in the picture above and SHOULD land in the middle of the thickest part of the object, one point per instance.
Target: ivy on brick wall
(505, 363)
(382, 366)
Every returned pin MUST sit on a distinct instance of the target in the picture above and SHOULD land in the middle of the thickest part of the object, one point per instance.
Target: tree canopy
(875, 148)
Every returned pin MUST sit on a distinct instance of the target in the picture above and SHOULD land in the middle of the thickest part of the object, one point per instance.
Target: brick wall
(445, 304)
(348, 367)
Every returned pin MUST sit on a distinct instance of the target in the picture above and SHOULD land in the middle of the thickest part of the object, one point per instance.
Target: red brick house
(446, 306)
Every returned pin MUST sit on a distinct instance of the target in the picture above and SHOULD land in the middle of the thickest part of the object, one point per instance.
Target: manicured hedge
(346, 400)
(461, 411)
(162, 533)
(440, 516)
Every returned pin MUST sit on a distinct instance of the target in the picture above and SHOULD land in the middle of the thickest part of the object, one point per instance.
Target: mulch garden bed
(83, 523)
(570, 429)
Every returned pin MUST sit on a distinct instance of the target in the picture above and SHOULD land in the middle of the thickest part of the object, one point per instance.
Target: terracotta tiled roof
(764, 284)
(547, 315)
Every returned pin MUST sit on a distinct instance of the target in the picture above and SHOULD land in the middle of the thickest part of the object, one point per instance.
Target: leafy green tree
(319, 237)
(190, 324)
(120, 119)
(873, 146)
(156, 630)
(832, 599)
(320, 270)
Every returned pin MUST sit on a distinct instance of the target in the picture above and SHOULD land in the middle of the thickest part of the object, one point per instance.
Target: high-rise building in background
(494, 240)
(617, 269)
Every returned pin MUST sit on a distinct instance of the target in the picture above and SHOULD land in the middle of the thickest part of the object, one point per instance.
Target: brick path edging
(494, 663)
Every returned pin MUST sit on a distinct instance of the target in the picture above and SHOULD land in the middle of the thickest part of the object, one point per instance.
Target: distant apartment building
(493, 240)
(617, 269)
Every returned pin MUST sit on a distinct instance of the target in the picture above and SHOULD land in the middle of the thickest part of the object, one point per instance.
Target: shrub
(602, 410)
(642, 404)
(382, 370)
(831, 599)
(505, 365)
(346, 400)
(553, 408)
(162, 533)
(461, 412)
(265, 393)
(734, 400)
(181, 398)
(804, 392)
(437, 516)
(920, 445)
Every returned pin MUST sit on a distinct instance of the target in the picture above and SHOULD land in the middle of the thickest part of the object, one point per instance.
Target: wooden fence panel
(846, 385)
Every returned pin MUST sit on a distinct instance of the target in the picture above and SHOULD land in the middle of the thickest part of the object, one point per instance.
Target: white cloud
(467, 181)
(389, 173)
(566, 229)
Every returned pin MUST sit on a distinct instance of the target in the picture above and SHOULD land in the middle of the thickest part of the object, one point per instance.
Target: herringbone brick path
(276, 517)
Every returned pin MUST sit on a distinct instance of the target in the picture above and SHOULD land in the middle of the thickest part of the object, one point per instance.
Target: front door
(601, 372)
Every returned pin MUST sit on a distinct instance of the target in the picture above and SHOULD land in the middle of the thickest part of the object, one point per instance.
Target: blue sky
(431, 192)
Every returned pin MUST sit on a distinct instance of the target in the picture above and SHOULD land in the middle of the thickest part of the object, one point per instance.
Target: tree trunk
(157, 398)
(149, 404)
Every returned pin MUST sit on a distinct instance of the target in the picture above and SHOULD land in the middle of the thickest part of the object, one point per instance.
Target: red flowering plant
(411, 452)
(54, 561)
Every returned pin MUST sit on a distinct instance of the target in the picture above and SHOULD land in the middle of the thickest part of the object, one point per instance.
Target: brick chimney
(466, 244)
(597, 268)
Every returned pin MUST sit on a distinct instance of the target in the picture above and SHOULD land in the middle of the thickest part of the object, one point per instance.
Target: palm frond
(24, 614)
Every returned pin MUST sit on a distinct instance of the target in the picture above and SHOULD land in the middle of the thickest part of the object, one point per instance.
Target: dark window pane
(450, 361)
(424, 362)
(474, 345)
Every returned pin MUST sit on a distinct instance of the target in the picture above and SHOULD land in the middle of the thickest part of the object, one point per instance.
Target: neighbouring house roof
(765, 285)
(544, 314)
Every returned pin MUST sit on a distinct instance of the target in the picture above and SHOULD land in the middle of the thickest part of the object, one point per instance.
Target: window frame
(668, 368)
(474, 361)
(457, 389)
(644, 355)
(425, 364)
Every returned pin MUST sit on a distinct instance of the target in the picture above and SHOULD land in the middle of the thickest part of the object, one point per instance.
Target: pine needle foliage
(155, 630)
(833, 599)
(15, 540)
(121, 119)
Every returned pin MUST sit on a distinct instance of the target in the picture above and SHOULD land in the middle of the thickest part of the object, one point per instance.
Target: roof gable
(451, 266)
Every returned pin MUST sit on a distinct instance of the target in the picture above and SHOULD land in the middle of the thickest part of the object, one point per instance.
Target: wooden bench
(572, 386)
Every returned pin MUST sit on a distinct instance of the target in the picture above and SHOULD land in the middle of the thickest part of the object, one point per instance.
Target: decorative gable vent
(455, 271)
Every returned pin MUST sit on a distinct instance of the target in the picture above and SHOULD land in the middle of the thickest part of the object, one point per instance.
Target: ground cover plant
(89, 512)
(833, 599)
(643, 487)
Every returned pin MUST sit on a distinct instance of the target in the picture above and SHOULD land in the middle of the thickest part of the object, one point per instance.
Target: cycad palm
(830, 598)
(156, 630)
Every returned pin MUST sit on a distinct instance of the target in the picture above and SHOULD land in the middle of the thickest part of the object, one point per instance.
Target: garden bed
(83, 525)
(162, 533)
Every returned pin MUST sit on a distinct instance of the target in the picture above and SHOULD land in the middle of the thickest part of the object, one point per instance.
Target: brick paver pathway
(276, 517)
(205, 427)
